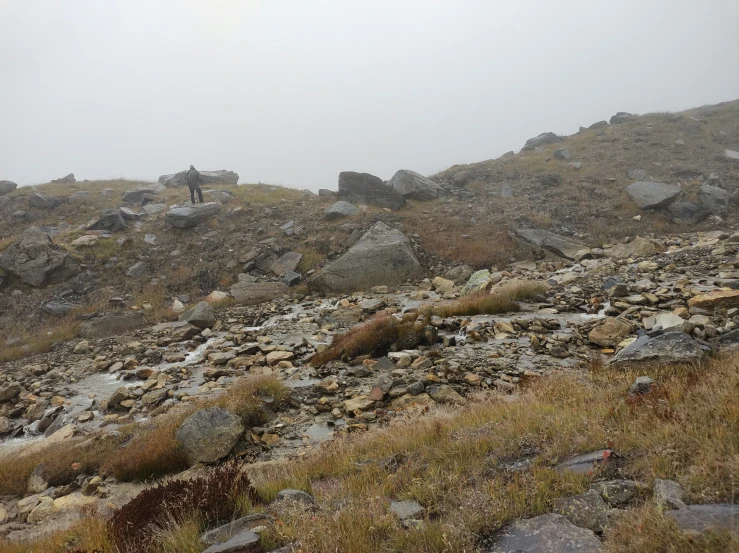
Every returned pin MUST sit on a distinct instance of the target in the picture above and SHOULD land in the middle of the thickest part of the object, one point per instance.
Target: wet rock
(6, 187)
(368, 189)
(414, 186)
(673, 347)
(221, 176)
(382, 256)
(610, 332)
(701, 518)
(549, 533)
(36, 260)
(406, 510)
(652, 195)
(617, 493)
(668, 494)
(201, 316)
(191, 215)
(252, 293)
(209, 434)
(542, 140)
(587, 510)
(105, 326)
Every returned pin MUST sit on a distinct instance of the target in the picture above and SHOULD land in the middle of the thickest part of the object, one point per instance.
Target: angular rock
(110, 220)
(227, 531)
(140, 193)
(209, 434)
(296, 496)
(245, 541)
(445, 394)
(368, 189)
(253, 293)
(587, 462)
(58, 308)
(550, 533)
(6, 187)
(221, 176)
(105, 326)
(598, 125)
(414, 186)
(36, 260)
(44, 202)
(713, 198)
(587, 510)
(201, 316)
(551, 242)
(638, 175)
(701, 518)
(191, 215)
(638, 247)
(67, 178)
(220, 196)
(562, 154)
(610, 332)
(668, 494)
(652, 195)
(542, 140)
(728, 342)
(715, 299)
(136, 270)
(406, 510)
(9, 391)
(617, 493)
(382, 256)
(620, 117)
(672, 347)
(153, 209)
(288, 262)
(687, 212)
(641, 385)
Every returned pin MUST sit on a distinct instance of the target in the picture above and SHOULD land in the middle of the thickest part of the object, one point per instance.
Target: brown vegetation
(501, 300)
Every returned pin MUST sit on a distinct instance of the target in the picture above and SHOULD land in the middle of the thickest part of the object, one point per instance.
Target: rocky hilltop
(535, 353)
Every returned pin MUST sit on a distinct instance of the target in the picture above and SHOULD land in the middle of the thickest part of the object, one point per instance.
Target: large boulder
(542, 140)
(549, 533)
(339, 210)
(713, 198)
(209, 434)
(201, 316)
(620, 117)
(253, 293)
(551, 242)
(113, 324)
(652, 195)
(7, 186)
(191, 215)
(42, 201)
(414, 186)
(687, 212)
(36, 260)
(672, 347)
(67, 178)
(138, 194)
(610, 332)
(383, 256)
(222, 176)
(110, 220)
(368, 189)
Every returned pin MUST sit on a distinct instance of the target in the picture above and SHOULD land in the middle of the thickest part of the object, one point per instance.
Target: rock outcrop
(340, 210)
(414, 186)
(36, 260)
(542, 140)
(141, 193)
(191, 215)
(7, 186)
(222, 176)
(368, 189)
(652, 195)
(382, 256)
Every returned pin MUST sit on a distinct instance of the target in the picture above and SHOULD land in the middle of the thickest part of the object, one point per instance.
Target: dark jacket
(193, 179)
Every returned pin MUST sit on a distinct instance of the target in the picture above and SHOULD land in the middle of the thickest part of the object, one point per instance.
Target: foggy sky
(293, 92)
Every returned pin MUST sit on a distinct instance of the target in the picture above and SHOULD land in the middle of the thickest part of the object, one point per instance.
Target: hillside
(503, 357)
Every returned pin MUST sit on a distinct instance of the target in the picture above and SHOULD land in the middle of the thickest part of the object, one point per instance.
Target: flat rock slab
(673, 347)
(405, 510)
(617, 492)
(551, 242)
(550, 533)
(191, 215)
(245, 541)
(287, 262)
(587, 510)
(227, 531)
(652, 195)
(252, 293)
(715, 299)
(700, 518)
(587, 462)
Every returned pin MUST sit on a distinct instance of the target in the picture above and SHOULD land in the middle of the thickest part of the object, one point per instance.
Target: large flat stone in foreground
(191, 215)
(546, 534)
(652, 195)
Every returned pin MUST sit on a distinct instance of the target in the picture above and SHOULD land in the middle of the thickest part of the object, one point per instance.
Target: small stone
(668, 495)
(406, 510)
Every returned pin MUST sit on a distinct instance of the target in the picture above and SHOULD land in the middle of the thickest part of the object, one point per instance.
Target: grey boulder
(222, 176)
(542, 140)
(191, 215)
(368, 189)
(587, 510)
(700, 518)
(67, 178)
(620, 117)
(138, 194)
(201, 316)
(340, 210)
(652, 195)
(253, 293)
(562, 154)
(209, 434)
(383, 256)
(672, 347)
(245, 541)
(687, 212)
(42, 201)
(36, 260)
(713, 198)
(220, 196)
(551, 242)
(110, 220)
(7, 186)
(549, 533)
(414, 186)
(287, 262)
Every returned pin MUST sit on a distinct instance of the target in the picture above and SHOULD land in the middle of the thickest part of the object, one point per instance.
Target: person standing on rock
(193, 182)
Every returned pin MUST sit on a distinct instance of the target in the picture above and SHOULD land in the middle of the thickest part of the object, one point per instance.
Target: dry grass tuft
(43, 338)
(501, 300)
